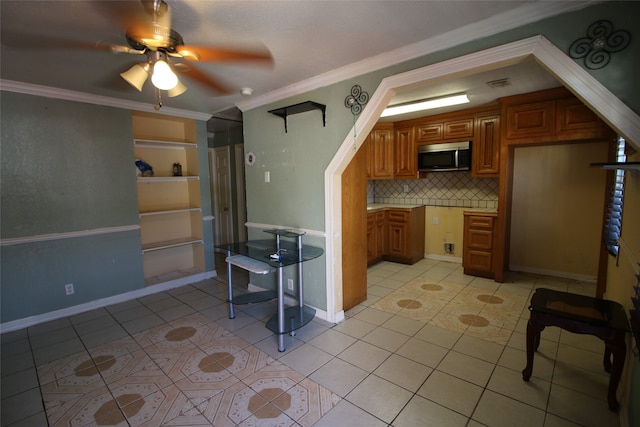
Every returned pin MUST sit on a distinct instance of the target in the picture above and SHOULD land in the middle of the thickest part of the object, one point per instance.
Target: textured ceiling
(306, 38)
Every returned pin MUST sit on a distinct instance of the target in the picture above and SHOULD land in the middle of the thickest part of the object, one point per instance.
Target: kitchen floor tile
(379, 397)
(422, 412)
(332, 341)
(467, 368)
(339, 376)
(403, 372)
(498, 410)
(364, 355)
(451, 392)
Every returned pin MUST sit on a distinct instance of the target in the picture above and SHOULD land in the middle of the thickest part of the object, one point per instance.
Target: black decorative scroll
(356, 100)
(600, 43)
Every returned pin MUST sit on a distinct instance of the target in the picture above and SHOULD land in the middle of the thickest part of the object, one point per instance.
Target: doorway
(220, 175)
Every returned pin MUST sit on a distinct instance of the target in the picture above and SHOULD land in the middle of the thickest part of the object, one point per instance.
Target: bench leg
(619, 350)
(533, 341)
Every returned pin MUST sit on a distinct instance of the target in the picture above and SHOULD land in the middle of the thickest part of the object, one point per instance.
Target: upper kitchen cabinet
(486, 146)
(445, 129)
(169, 198)
(552, 115)
(381, 160)
(405, 153)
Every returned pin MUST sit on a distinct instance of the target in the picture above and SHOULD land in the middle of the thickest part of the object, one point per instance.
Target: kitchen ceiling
(309, 41)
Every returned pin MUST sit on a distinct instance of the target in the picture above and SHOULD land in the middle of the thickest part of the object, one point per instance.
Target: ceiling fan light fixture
(136, 75)
(163, 78)
(426, 104)
(178, 90)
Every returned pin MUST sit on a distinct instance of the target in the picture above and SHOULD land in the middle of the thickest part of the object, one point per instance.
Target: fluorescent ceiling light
(425, 105)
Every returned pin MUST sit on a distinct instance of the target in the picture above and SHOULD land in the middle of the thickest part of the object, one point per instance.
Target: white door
(219, 161)
(240, 192)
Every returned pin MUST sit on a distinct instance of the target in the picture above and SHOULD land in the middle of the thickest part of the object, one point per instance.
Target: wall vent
(499, 83)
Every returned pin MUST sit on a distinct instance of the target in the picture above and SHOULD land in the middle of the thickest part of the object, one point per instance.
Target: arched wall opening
(585, 87)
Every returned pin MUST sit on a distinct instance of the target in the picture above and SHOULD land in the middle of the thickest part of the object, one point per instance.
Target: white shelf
(150, 247)
(174, 145)
(169, 211)
(157, 179)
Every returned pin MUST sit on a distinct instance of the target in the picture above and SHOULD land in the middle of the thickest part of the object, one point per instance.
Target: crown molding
(70, 95)
(531, 12)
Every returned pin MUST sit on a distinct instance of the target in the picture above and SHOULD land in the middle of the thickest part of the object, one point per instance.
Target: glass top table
(271, 255)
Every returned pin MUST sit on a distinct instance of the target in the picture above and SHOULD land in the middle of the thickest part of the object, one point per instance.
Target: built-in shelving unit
(169, 206)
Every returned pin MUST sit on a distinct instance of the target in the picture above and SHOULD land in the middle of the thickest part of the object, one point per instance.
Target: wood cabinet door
(397, 238)
(535, 119)
(573, 118)
(371, 238)
(486, 148)
(381, 146)
(380, 226)
(429, 132)
(461, 129)
(406, 153)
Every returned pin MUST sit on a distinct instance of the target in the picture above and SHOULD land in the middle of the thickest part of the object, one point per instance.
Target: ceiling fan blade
(214, 54)
(48, 42)
(199, 76)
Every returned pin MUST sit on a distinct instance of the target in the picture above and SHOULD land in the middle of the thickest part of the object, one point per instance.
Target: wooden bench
(583, 315)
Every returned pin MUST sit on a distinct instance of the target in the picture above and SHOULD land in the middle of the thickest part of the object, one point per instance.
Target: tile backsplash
(455, 189)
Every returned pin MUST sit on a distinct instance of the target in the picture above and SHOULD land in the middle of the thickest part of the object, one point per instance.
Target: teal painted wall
(296, 160)
(68, 167)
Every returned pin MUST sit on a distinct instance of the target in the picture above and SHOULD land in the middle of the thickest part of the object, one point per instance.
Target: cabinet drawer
(397, 216)
(380, 217)
(480, 239)
(455, 129)
(480, 222)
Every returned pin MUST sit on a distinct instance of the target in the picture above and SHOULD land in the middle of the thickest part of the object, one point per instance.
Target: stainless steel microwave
(450, 156)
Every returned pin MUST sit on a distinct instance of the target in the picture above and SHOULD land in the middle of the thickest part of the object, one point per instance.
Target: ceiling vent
(499, 83)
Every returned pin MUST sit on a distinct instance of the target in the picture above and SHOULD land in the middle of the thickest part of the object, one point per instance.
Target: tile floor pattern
(429, 347)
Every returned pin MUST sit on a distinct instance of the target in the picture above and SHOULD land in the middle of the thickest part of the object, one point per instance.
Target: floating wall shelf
(302, 107)
(618, 165)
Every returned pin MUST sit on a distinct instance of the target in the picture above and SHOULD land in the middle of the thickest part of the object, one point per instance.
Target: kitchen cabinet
(396, 234)
(486, 147)
(446, 130)
(405, 153)
(479, 243)
(169, 201)
(405, 235)
(381, 152)
(376, 222)
(546, 116)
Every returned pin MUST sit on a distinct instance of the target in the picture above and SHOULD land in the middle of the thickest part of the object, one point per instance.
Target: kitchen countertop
(379, 206)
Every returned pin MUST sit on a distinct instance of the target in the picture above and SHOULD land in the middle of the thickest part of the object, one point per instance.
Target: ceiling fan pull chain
(158, 104)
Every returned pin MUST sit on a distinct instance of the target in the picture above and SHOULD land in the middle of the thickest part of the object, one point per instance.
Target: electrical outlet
(449, 248)
(68, 289)
(290, 284)
(435, 220)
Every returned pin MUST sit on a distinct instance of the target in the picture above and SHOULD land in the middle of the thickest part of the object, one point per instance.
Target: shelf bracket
(302, 107)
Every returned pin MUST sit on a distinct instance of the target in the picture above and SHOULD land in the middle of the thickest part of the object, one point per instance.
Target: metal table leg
(232, 313)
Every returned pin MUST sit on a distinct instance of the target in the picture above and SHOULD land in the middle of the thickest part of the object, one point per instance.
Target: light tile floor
(429, 347)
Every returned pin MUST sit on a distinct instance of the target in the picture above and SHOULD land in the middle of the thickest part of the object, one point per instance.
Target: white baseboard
(444, 258)
(26, 322)
(553, 273)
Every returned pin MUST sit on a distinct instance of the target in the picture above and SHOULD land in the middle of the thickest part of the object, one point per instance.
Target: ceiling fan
(149, 33)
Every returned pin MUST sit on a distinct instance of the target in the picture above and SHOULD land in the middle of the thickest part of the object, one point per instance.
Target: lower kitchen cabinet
(479, 243)
(396, 234)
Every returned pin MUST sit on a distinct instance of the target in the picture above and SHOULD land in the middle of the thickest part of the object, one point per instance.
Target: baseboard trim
(552, 273)
(26, 322)
(436, 257)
